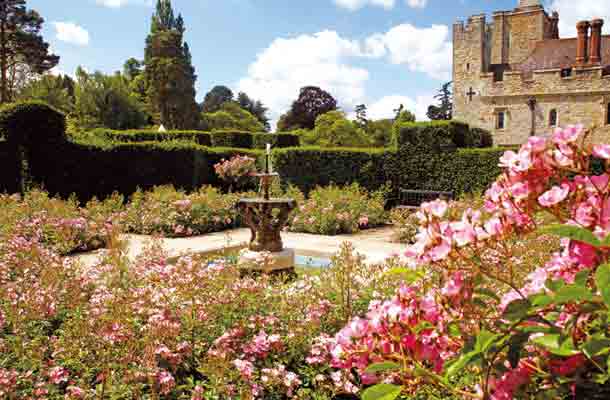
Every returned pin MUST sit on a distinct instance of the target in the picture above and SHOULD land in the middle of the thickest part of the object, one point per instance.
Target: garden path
(375, 244)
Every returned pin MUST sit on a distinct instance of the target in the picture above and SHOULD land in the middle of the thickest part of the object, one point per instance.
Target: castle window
(468, 67)
(608, 115)
(566, 72)
(553, 117)
(501, 120)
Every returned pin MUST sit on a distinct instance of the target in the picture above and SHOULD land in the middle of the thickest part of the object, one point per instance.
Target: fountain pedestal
(266, 217)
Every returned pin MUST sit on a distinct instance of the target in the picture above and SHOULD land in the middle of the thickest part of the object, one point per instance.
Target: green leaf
(573, 294)
(382, 391)
(582, 277)
(484, 340)
(515, 345)
(602, 281)
(573, 233)
(460, 363)
(516, 309)
(487, 293)
(554, 344)
(541, 300)
(606, 241)
(382, 367)
(596, 346)
(554, 286)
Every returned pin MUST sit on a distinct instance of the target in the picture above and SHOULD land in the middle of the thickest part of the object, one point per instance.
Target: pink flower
(363, 221)
(554, 196)
(602, 151)
(440, 252)
(454, 286)
(75, 393)
(166, 381)
(58, 375)
(568, 135)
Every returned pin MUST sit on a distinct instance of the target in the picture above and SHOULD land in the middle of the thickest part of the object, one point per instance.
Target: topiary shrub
(277, 140)
(238, 139)
(32, 124)
(138, 135)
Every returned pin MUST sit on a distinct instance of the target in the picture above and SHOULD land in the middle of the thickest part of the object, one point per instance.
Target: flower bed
(61, 225)
(334, 210)
(173, 213)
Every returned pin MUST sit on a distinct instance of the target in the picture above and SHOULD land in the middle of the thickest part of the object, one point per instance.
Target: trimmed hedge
(308, 167)
(32, 123)
(9, 167)
(441, 135)
(237, 139)
(461, 171)
(89, 171)
(137, 136)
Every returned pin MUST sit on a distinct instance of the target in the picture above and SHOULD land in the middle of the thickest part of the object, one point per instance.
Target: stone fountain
(266, 217)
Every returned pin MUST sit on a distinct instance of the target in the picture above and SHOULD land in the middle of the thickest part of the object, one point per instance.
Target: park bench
(413, 199)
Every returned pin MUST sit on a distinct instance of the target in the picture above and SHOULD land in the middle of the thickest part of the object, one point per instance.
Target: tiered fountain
(266, 217)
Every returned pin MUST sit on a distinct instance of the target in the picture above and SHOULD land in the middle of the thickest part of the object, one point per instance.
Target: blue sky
(378, 52)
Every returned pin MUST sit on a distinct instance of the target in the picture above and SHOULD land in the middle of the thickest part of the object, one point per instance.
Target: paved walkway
(375, 244)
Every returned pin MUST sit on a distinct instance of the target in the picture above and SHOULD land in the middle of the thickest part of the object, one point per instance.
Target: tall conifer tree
(169, 73)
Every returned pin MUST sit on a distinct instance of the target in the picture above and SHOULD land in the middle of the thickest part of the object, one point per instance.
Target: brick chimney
(583, 42)
(555, 25)
(595, 49)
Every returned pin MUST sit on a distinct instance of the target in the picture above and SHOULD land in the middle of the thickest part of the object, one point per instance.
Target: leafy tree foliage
(23, 52)
(106, 101)
(132, 68)
(57, 91)
(361, 117)
(256, 108)
(443, 111)
(312, 103)
(169, 73)
(380, 132)
(231, 116)
(333, 129)
(215, 98)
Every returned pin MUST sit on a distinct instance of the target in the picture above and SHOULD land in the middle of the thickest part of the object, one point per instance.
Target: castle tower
(529, 3)
(470, 60)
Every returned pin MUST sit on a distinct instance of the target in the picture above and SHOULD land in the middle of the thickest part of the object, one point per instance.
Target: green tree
(169, 73)
(380, 132)
(231, 116)
(106, 101)
(312, 103)
(57, 91)
(23, 52)
(215, 98)
(256, 108)
(361, 117)
(333, 129)
(132, 68)
(444, 110)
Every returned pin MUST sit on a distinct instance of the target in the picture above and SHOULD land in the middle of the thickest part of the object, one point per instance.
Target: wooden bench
(413, 199)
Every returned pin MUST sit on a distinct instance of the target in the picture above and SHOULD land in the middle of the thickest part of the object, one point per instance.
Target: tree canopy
(444, 110)
(256, 108)
(57, 91)
(169, 73)
(312, 103)
(215, 98)
(333, 129)
(231, 116)
(23, 52)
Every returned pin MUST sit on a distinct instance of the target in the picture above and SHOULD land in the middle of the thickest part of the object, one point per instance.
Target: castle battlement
(519, 56)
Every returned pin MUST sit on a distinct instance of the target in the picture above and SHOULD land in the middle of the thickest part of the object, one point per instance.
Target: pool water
(311, 262)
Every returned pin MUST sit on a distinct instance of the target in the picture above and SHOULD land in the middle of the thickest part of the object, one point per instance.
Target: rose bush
(544, 335)
(334, 210)
(237, 172)
(63, 226)
(173, 213)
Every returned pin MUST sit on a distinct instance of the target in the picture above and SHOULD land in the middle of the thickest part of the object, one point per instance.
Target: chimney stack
(583, 42)
(595, 51)
(555, 25)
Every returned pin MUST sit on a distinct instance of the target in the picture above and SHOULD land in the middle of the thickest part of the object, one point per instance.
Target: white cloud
(426, 50)
(71, 33)
(353, 5)
(572, 11)
(417, 3)
(289, 64)
(323, 59)
(385, 106)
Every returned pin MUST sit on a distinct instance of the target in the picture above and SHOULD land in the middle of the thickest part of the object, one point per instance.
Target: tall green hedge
(440, 135)
(32, 123)
(137, 136)
(9, 168)
(308, 167)
(237, 139)
(88, 170)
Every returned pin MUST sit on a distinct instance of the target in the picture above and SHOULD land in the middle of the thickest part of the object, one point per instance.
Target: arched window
(553, 117)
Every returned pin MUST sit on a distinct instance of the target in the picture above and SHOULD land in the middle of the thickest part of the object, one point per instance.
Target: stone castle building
(515, 77)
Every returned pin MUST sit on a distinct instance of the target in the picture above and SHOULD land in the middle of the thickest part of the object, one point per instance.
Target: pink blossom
(454, 286)
(554, 196)
(58, 375)
(602, 151)
(166, 381)
(567, 135)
